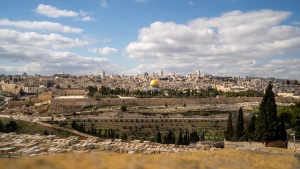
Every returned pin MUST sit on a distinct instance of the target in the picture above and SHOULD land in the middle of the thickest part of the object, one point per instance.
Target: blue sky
(219, 37)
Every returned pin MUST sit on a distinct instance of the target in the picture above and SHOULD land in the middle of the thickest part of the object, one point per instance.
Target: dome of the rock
(154, 83)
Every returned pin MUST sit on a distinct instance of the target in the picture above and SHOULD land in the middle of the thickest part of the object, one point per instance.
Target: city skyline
(219, 37)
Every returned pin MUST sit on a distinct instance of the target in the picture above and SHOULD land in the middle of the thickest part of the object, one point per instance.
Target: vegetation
(248, 93)
(239, 131)
(250, 129)
(188, 93)
(267, 129)
(123, 108)
(225, 159)
(158, 137)
(92, 130)
(229, 132)
(23, 127)
(291, 117)
(9, 127)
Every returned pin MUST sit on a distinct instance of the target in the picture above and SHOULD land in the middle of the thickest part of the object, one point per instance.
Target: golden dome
(154, 83)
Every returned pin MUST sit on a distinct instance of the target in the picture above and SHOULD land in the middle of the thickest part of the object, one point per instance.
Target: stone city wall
(41, 98)
(78, 104)
(70, 92)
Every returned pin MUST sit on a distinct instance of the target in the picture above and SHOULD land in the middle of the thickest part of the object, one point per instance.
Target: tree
(123, 108)
(283, 134)
(202, 137)
(188, 92)
(124, 137)
(46, 132)
(74, 125)
(2, 127)
(239, 132)
(11, 126)
(250, 129)
(186, 140)
(194, 138)
(180, 139)
(158, 137)
(229, 132)
(266, 129)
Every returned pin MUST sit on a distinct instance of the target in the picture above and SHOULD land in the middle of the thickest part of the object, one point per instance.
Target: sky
(130, 37)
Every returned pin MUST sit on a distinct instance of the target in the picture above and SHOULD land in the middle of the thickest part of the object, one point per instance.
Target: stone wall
(294, 146)
(70, 92)
(71, 105)
(18, 103)
(44, 97)
(242, 144)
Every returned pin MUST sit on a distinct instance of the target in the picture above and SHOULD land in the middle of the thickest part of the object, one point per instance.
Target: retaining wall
(294, 146)
(242, 144)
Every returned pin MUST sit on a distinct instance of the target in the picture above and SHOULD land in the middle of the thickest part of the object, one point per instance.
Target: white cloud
(103, 3)
(48, 61)
(104, 51)
(216, 44)
(84, 16)
(41, 26)
(11, 37)
(54, 12)
(87, 18)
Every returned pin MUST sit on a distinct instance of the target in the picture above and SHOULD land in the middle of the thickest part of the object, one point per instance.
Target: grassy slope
(33, 128)
(230, 159)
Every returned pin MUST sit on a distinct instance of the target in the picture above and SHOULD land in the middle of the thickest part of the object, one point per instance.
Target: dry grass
(230, 159)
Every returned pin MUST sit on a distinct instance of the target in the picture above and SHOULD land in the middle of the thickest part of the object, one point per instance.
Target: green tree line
(265, 127)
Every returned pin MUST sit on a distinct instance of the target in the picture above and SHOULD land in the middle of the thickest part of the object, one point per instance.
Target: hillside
(25, 127)
(268, 158)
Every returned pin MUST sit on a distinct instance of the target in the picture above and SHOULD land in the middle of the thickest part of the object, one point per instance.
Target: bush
(123, 108)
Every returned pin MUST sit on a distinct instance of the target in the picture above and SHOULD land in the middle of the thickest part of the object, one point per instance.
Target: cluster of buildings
(65, 85)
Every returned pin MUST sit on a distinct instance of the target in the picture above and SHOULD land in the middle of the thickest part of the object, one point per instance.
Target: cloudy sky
(218, 37)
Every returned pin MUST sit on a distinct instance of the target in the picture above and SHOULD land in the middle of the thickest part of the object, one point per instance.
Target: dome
(154, 83)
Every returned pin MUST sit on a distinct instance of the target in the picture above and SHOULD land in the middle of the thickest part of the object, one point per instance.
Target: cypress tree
(124, 137)
(180, 139)
(202, 136)
(283, 134)
(267, 129)
(186, 140)
(166, 141)
(239, 132)
(100, 133)
(158, 137)
(2, 127)
(173, 139)
(169, 137)
(229, 132)
(250, 129)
